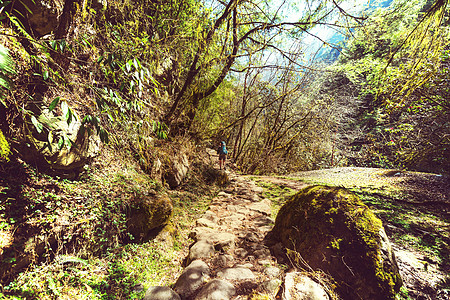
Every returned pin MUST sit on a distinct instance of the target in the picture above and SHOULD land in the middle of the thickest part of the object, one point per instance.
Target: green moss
(5, 150)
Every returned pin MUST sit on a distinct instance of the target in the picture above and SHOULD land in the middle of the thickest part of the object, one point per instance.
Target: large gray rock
(47, 149)
(177, 172)
(201, 249)
(335, 232)
(192, 278)
(300, 287)
(216, 290)
(161, 293)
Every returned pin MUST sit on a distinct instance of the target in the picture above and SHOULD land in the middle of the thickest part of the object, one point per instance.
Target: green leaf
(62, 45)
(64, 108)
(53, 44)
(37, 124)
(45, 75)
(53, 104)
(69, 116)
(60, 142)
(50, 138)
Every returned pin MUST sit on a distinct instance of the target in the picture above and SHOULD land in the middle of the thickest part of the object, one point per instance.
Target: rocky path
(229, 259)
(229, 253)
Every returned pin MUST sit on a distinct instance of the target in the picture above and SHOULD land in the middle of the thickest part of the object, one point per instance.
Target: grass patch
(277, 194)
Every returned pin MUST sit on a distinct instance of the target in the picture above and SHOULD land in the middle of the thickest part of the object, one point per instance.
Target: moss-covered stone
(147, 214)
(334, 231)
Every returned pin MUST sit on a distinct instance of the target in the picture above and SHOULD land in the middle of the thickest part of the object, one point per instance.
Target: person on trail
(222, 151)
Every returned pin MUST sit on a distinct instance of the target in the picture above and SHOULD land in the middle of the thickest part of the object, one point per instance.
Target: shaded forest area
(102, 103)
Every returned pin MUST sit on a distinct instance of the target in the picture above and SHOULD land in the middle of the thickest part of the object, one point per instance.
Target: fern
(6, 69)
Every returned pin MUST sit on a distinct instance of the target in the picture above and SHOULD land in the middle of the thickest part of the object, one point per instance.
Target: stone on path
(209, 215)
(300, 287)
(201, 249)
(203, 222)
(216, 290)
(272, 286)
(263, 206)
(219, 239)
(272, 272)
(161, 293)
(192, 278)
(238, 273)
(224, 260)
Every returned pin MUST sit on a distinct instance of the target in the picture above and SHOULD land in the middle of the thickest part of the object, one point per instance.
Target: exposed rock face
(48, 150)
(334, 231)
(147, 214)
(180, 166)
(40, 18)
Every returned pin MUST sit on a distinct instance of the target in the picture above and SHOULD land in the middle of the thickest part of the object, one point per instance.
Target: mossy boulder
(335, 232)
(148, 213)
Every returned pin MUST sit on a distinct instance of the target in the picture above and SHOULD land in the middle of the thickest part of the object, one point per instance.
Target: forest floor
(414, 208)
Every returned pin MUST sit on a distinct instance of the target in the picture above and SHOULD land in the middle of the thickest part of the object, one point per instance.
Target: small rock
(264, 262)
(272, 272)
(247, 265)
(252, 237)
(161, 293)
(237, 273)
(216, 290)
(224, 260)
(258, 190)
(241, 252)
(192, 278)
(201, 249)
(223, 194)
(263, 206)
(203, 222)
(272, 286)
(301, 287)
(262, 253)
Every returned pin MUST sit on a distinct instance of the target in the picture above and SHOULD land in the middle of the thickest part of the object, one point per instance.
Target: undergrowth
(86, 251)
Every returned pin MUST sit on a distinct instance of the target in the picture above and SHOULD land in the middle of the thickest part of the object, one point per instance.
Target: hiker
(222, 151)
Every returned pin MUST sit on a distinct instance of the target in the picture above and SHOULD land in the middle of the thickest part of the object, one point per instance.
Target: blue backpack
(222, 149)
